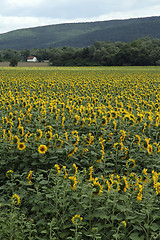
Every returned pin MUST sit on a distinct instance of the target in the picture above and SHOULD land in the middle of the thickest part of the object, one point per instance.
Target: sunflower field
(80, 153)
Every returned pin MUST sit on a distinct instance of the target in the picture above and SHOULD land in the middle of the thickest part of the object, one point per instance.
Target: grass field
(79, 152)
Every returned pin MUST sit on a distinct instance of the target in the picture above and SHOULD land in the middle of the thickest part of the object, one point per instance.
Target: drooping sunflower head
(9, 174)
(57, 167)
(16, 139)
(97, 188)
(74, 181)
(124, 224)
(29, 177)
(21, 130)
(15, 199)
(137, 139)
(58, 143)
(131, 163)
(118, 146)
(42, 149)
(149, 149)
(48, 135)
(104, 121)
(39, 133)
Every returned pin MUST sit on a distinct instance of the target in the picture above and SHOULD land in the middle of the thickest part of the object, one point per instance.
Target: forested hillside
(81, 34)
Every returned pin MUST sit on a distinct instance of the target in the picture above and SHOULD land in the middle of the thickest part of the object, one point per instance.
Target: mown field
(80, 153)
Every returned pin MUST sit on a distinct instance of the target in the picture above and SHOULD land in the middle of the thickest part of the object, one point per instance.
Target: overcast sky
(16, 14)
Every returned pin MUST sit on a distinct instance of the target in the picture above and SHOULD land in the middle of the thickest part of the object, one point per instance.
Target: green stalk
(76, 232)
(90, 206)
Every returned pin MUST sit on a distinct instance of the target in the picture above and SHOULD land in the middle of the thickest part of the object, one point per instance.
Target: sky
(17, 14)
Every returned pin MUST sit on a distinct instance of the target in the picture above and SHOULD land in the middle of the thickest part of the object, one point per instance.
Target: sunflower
(131, 163)
(65, 172)
(15, 199)
(58, 143)
(71, 154)
(104, 121)
(114, 114)
(57, 167)
(149, 149)
(9, 174)
(42, 149)
(137, 139)
(125, 153)
(139, 118)
(16, 139)
(21, 130)
(75, 168)
(146, 143)
(109, 115)
(48, 135)
(124, 224)
(29, 177)
(157, 187)
(139, 196)
(74, 181)
(90, 173)
(126, 118)
(114, 125)
(118, 146)
(125, 183)
(97, 187)
(91, 138)
(76, 219)
(21, 146)
(39, 133)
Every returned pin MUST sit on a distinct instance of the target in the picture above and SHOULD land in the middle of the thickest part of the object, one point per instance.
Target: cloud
(23, 3)
(69, 8)
(15, 14)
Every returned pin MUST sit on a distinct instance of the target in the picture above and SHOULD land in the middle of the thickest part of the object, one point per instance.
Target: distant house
(32, 59)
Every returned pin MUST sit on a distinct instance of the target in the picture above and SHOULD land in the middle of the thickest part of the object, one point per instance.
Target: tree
(13, 62)
(24, 54)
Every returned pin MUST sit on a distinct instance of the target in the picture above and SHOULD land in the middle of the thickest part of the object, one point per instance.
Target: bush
(13, 62)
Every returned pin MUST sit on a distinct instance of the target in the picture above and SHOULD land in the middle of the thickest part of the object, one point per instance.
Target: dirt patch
(26, 64)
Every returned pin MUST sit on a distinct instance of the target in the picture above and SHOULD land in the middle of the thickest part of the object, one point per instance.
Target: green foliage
(13, 62)
(48, 208)
(81, 34)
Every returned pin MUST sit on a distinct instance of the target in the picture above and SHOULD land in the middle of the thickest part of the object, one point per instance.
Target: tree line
(140, 52)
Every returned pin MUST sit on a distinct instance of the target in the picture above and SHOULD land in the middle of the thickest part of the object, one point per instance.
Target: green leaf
(43, 182)
(154, 227)
(135, 236)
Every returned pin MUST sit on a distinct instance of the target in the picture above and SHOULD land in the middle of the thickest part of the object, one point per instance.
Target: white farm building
(32, 59)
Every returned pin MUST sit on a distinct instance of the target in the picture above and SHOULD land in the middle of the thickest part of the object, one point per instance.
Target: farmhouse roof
(31, 57)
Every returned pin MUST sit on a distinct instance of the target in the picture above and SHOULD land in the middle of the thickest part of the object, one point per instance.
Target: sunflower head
(58, 143)
(48, 135)
(97, 187)
(149, 149)
(42, 149)
(29, 177)
(76, 219)
(118, 146)
(9, 174)
(16, 139)
(39, 133)
(104, 120)
(21, 146)
(15, 199)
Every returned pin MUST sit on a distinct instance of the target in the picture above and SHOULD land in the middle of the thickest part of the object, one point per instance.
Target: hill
(81, 34)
